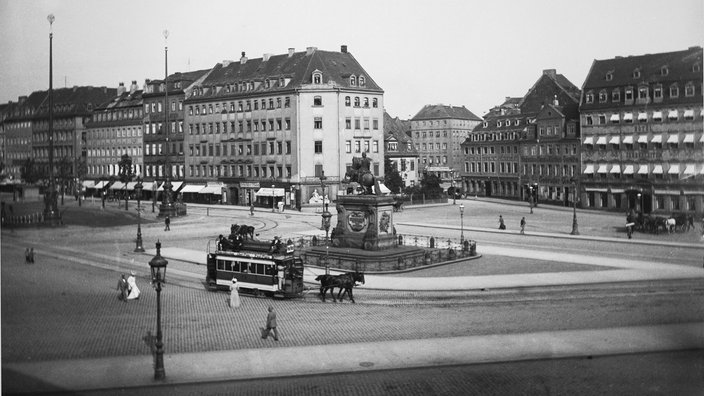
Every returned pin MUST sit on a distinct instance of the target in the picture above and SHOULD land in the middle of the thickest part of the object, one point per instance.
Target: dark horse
(245, 231)
(344, 281)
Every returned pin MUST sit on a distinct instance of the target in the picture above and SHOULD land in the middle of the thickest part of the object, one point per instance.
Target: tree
(29, 172)
(125, 173)
(392, 179)
(430, 186)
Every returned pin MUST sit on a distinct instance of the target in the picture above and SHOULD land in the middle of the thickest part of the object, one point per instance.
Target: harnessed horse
(344, 281)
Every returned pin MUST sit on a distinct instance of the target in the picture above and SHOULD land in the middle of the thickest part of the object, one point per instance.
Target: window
(375, 103)
(689, 89)
(353, 81)
(287, 102)
(629, 94)
(590, 97)
(657, 92)
(609, 76)
(357, 123)
(375, 124)
(602, 96)
(318, 147)
(348, 146)
(636, 73)
(642, 93)
(318, 123)
(317, 77)
(674, 91)
(317, 101)
(348, 123)
(347, 101)
(366, 102)
(616, 96)
(362, 81)
(356, 101)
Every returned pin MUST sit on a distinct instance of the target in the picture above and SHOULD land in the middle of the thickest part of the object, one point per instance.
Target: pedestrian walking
(31, 255)
(502, 225)
(132, 289)
(270, 325)
(122, 286)
(167, 223)
(234, 294)
(26, 256)
(251, 209)
(523, 225)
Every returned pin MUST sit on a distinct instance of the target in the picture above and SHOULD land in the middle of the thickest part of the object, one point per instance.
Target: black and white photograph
(352, 198)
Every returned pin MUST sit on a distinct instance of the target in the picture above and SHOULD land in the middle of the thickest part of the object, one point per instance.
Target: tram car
(261, 268)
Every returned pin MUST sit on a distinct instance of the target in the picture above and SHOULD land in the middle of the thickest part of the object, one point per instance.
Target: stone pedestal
(365, 222)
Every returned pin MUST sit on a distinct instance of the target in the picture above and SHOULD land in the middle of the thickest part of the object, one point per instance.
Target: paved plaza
(64, 329)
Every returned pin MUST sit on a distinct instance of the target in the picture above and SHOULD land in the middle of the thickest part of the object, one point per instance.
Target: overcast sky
(471, 53)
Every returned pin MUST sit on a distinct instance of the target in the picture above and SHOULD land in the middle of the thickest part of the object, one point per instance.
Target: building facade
(642, 143)
(525, 148)
(275, 125)
(400, 150)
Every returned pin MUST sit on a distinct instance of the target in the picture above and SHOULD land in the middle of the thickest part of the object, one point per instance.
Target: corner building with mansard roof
(267, 129)
(642, 143)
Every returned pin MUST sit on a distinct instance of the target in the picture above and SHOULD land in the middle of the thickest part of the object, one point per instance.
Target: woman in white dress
(132, 287)
(234, 294)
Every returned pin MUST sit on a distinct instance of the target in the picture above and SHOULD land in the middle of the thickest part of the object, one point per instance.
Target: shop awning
(688, 138)
(192, 188)
(628, 170)
(643, 169)
(657, 170)
(118, 185)
(672, 139)
(130, 186)
(270, 192)
(589, 140)
(615, 140)
(673, 114)
(212, 189)
(615, 168)
(174, 186)
(656, 139)
(657, 115)
(642, 116)
(628, 140)
(674, 169)
(614, 118)
(589, 170)
(602, 169)
(101, 184)
(88, 184)
(689, 114)
(628, 116)
(601, 141)
(690, 169)
(642, 138)
(150, 186)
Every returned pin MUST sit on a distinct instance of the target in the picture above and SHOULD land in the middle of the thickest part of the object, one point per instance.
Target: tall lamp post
(273, 199)
(167, 206)
(454, 189)
(158, 268)
(51, 210)
(138, 191)
(575, 228)
(461, 223)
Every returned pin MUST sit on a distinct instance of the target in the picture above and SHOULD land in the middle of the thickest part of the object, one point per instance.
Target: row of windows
(674, 170)
(152, 107)
(393, 146)
(246, 267)
(360, 146)
(221, 149)
(434, 160)
(59, 152)
(115, 152)
(642, 93)
(430, 134)
(116, 115)
(111, 170)
(245, 126)
(430, 123)
(357, 103)
(250, 171)
(656, 141)
(154, 128)
(493, 137)
(112, 133)
(358, 123)
(500, 123)
(430, 146)
(628, 117)
(241, 106)
(58, 137)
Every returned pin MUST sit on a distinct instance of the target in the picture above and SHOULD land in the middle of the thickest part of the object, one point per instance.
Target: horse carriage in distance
(655, 223)
(261, 267)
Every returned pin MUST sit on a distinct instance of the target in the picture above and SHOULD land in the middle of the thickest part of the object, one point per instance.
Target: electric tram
(268, 268)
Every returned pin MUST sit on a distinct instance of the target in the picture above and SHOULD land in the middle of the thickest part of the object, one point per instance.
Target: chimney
(226, 63)
(243, 59)
(291, 51)
(266, 57)
(343, 49)
(121, 89)
(310, 50)
(550, 72)
(21, 100)
(133, 87)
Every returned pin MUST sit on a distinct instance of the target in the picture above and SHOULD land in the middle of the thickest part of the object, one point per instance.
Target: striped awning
(674, 169)
(589, 170)
(628, 140)
(657, 115)
(642, 116)
(642, 138)
(673, 114)
(628, 170)
(672, 139)
(688, 138)
(192, 188)
(615, 140)
(602, 169)
(616, 168)
(628, 116)
(118, 185)
(601, 140)
(615, 118)
(656, 139)
(657, 170)
(589, 140)
(643, 169)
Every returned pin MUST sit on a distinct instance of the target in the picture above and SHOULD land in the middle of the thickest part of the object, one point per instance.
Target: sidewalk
(123, 372)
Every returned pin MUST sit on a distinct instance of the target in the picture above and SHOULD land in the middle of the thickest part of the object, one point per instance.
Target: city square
(65, 329)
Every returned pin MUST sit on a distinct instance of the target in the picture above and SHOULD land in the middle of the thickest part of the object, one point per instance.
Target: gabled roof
(75, 100)
(440, 112)
(396, 129)
(549, 85)
(336, 67)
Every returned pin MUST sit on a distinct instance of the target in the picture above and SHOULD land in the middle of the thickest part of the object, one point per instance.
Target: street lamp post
(575, 228)
(461, 223)
(454, 192)
(51, 210)
(273, 199)
(157, 264)
(167, 206)
(138, 191)
(640, 202)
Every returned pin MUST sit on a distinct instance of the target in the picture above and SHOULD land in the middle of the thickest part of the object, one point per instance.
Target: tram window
(228, 265)
(270, 270)
(236, 266)
(260, 269)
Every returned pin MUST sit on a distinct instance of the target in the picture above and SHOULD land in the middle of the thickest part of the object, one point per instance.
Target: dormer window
(664, 71)
(267, 84)
(517, 122)
(616, 95)
(362, 81)
(629, 94)
(353, 81)
(485, 124)
(674, 91)
(609, 76)
(317, 77)
(696, 67)
(590, 97)
(689, 89)
(602, 96)
(498, 123)
(636, 73)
